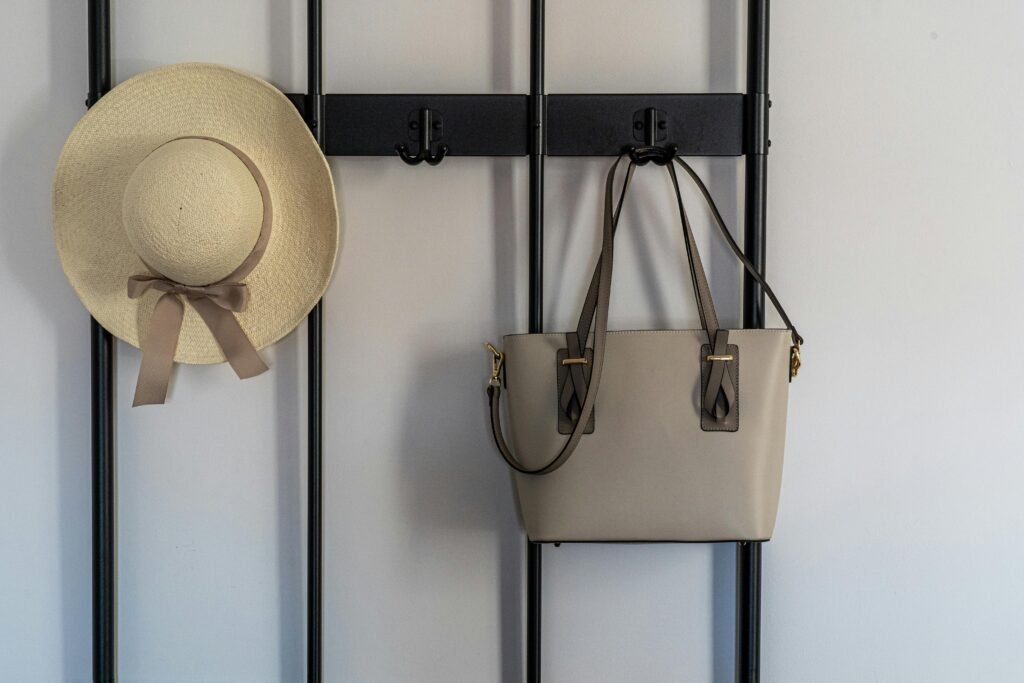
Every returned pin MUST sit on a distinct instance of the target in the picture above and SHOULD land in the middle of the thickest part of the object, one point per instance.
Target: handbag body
(647, 435)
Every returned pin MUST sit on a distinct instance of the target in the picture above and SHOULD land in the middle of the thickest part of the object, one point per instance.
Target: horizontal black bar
(602, 125)
(472, 125)
(498, 125)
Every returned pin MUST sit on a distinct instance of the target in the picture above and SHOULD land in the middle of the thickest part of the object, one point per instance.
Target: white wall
(895, 210)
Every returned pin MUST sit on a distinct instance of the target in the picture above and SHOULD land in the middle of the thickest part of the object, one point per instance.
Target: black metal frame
(104, 492)
(535, 125)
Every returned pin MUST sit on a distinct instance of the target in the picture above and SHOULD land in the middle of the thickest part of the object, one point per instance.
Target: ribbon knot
(215, 304)
(231, 296)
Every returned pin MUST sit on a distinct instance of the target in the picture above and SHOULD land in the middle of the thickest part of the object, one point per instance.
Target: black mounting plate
(499, 125)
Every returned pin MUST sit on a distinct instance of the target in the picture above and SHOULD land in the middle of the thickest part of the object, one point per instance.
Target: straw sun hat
(195, 217)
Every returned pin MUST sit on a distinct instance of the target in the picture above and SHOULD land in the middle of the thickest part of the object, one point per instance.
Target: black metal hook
(651, 126)
(427, 126)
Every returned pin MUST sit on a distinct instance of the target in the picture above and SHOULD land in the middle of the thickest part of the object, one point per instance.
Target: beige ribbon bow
(216, 305)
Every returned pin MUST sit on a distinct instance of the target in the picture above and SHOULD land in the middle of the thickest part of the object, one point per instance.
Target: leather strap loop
(719, 397)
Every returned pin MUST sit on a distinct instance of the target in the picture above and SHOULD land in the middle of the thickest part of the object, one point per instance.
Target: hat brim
(214, 101)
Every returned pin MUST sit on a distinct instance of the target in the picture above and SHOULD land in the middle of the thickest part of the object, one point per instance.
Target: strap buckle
(497, 363)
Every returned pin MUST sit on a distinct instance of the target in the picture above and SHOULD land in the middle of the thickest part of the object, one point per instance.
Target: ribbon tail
(158, 351)
(230, 336)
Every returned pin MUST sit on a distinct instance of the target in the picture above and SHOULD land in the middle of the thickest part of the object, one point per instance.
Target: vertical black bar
(757, 158)
(99, 50)
(104, 491)
(748, 555)
(537, 151)
(533, 611)
(314, 580)
(104, 509)
(748, 612)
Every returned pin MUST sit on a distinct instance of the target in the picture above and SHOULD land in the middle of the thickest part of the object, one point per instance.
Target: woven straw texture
(206, 100)
(193, 211)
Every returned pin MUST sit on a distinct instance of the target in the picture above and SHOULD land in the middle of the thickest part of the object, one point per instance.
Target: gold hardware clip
(575, 361)
(497, 362)
(794, 361)
(723, 357)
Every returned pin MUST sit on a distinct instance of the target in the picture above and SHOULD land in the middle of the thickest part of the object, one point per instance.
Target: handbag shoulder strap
(747, 263)
(603, 281)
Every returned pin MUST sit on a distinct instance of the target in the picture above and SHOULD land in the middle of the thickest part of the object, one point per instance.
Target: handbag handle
(702, 292)
(595, 311)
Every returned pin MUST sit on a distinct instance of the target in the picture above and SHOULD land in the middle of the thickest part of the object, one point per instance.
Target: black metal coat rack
(429, 128)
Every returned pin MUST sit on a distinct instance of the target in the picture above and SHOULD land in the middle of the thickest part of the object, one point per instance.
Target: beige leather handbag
(684, 440)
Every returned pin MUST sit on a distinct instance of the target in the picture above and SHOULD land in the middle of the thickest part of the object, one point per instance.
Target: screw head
(413, 125)
(662, 125)
(638, 125)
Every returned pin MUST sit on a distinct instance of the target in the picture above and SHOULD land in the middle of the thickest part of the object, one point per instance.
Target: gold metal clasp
(575, 361)
(713, 357)
(794, 361)
(497, 363)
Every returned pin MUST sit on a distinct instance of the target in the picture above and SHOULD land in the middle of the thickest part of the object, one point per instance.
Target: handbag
(649, 435)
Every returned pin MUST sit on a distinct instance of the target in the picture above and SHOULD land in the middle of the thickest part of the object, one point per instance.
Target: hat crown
(192, 211)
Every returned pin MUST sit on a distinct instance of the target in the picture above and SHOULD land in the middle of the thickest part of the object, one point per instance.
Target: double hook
(427, 126)
(650, 126)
